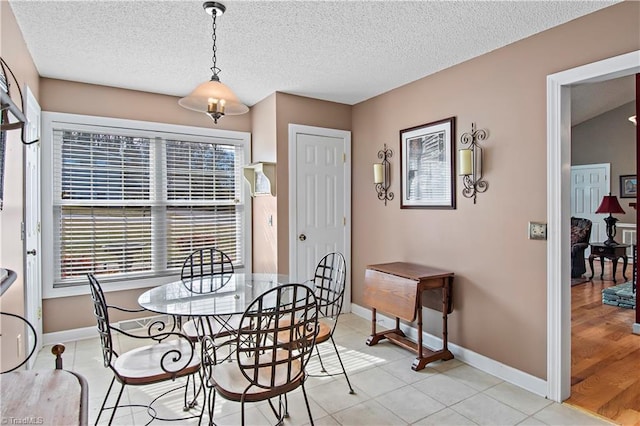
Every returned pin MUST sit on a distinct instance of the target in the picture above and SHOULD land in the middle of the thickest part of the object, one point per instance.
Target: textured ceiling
(346, 51)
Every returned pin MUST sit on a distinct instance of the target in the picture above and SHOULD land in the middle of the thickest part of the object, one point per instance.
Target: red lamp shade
(610, 204)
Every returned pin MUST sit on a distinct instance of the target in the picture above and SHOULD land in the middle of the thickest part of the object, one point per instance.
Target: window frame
(53, 120)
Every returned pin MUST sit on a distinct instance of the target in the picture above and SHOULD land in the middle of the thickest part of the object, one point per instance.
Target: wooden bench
(49, 397)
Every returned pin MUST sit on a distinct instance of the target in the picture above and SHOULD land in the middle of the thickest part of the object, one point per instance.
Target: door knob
(32, 252)
(302, 237)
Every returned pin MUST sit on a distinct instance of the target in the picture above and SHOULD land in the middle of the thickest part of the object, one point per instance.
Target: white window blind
(135, 203)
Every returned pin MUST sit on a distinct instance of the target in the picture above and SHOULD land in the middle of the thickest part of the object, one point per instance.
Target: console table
(613, 253)
(397, 288)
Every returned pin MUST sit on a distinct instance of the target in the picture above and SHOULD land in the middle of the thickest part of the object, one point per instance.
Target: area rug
(579, 280)
(620, 295)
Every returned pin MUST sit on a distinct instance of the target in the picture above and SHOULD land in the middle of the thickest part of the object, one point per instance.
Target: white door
(589, 183)
(319, 199)
(33, 281)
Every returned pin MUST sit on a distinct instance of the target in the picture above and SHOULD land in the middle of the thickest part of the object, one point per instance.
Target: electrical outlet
(537, 231)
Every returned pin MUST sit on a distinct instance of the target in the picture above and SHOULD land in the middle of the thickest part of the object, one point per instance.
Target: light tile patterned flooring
(388, 392)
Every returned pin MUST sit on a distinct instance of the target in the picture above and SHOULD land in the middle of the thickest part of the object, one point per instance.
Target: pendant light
(212, 97)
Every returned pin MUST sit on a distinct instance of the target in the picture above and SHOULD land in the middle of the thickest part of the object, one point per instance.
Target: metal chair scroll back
(101, 313)
(206, 263)
(329, 287)
(261, 323)
(171, 355)
(329, 284)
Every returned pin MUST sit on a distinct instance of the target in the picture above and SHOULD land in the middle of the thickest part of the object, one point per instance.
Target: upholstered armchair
(580, 234)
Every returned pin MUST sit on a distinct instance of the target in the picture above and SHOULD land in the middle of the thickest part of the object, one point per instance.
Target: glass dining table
(216, 295)
(209, 303)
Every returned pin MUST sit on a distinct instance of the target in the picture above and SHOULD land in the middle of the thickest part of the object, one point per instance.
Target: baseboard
(481, 362)
(636, 328)
(92, 332)
(69, 335)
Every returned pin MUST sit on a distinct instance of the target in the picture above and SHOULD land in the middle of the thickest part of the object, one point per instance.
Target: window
(131, 200)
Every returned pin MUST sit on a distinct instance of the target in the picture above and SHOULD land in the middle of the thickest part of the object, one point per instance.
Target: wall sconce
(382, 175)
(470, 163)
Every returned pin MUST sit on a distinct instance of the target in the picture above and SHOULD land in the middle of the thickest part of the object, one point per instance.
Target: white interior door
(589, 183)
(32, 245)
(319, 199)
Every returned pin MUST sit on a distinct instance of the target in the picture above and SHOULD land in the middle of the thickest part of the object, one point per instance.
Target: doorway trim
(32, 194)
(558, 210)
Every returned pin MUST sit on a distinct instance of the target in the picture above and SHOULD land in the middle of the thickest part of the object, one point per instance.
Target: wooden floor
(605, 354)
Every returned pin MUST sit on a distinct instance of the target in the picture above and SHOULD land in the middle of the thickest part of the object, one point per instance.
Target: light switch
(537, 231)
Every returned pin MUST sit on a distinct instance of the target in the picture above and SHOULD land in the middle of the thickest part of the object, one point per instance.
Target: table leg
(591, 256)
(425, 355)
(373, 321)
(625, 260)
(446, 297)
(375, 337)
(615, 267)
(601, 267)
(420, 327)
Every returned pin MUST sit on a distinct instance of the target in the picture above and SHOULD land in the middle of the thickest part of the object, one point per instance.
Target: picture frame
(628, 186)
(427, 166)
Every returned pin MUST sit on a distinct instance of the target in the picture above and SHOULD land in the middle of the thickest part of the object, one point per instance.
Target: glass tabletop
(213, 295)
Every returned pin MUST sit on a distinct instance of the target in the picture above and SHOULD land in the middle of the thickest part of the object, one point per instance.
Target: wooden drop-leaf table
(397, 288)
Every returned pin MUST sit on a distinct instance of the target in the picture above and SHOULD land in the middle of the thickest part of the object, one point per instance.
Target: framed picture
(427, 178)
(628, 186)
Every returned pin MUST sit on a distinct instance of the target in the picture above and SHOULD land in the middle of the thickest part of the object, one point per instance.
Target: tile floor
(388, 392)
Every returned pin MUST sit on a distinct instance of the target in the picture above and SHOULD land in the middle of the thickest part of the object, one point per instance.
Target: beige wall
(90, 99)
(609, 138)
(293, 109)
(500, 286)
(14, 51)
(265, 221)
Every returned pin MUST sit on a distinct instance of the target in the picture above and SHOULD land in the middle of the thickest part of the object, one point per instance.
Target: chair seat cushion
(144, 365)
(231, 383)
(212, 327)
(323, 334)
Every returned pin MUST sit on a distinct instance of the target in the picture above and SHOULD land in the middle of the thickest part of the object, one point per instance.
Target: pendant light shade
(213, 97)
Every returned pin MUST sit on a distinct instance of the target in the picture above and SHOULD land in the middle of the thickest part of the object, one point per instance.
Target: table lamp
(610, 205)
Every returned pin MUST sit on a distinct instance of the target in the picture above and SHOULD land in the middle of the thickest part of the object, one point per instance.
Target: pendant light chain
(213, 97)
(215, 70)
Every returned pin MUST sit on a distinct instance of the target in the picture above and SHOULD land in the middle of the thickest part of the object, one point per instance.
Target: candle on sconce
(378, 173)
(465, 162)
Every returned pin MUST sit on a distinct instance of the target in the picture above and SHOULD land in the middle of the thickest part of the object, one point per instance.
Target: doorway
(319, 199)
(32, 220)
(558, 210)
(589, 183)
